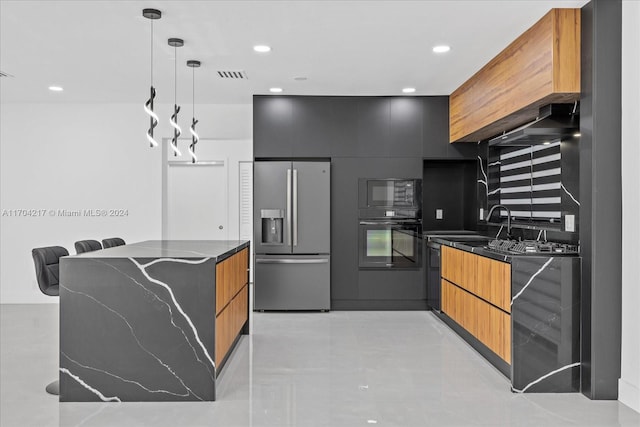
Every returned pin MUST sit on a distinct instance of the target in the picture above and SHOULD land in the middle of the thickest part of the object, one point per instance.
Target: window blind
(528, 181)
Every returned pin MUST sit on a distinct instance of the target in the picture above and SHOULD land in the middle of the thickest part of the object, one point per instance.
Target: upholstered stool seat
(47, 263)
(111, 242)
(83, 246)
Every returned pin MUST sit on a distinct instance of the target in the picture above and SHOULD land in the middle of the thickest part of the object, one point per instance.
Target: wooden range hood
(540, 67)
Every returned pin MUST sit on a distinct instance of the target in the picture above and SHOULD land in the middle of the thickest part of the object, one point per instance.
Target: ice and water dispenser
(272, 226)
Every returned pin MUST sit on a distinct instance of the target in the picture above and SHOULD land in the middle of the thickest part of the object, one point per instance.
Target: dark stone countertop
(478, 245)
(184, 249)
(475, 246)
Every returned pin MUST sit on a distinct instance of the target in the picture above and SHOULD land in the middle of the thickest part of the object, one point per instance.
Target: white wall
(629, 384)
(94, 156)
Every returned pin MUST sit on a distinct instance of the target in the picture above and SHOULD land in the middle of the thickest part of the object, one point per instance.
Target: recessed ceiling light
(409, 90)
(300, 78)
(262, 48)
(275, 89)
(546, 143)
(55, 88)
(441, 49)
(576, 135)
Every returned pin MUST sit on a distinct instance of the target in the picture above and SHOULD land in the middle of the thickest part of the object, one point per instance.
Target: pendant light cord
(193, 96)
(175, 75)
(151, 51)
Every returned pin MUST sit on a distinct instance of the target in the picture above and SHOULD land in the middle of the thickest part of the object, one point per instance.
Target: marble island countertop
(219, 249)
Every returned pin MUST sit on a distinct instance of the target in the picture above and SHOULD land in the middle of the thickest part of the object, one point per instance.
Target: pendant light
(194, 136)
(175, 43)
(151, 14)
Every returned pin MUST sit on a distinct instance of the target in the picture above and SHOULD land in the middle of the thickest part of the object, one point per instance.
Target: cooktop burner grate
(532, 246)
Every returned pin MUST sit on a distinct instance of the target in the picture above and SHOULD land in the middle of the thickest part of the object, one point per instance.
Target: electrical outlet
(569, 223)
(439, 214)
(481, 214)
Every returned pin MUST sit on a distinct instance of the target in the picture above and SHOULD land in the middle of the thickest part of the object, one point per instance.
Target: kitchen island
(151, 321)
(520, 311)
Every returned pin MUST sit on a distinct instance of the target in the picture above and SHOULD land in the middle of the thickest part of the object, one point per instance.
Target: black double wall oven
(390, 223)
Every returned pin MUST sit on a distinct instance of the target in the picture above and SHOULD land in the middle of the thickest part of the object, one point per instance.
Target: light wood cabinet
(229, 323)
(495, 277)
(232, 299)
(476, 294)
(540, 67)
(231, 276)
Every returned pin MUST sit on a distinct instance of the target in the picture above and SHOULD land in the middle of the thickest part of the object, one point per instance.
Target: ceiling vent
(234, 75)
(3, 74)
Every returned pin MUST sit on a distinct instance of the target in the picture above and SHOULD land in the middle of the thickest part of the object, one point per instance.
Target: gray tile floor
(305, 369)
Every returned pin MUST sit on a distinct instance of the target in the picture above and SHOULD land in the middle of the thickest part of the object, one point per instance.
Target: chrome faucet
(508, 217)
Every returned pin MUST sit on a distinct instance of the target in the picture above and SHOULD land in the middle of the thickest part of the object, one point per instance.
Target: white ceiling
(99, 51)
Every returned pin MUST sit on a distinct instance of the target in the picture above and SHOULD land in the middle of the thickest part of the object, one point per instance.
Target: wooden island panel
(232, 299)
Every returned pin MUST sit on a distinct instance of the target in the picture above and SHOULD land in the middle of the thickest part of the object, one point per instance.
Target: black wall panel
(450, 186)
(601, 197)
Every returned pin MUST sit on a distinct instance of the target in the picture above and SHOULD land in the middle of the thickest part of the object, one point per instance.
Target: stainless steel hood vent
(555, 122)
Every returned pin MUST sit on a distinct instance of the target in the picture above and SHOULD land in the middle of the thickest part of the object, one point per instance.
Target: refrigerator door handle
(292, 261)
(295, 207)
(288, 215)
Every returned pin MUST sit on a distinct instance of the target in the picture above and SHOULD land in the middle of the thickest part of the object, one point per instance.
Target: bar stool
(111, 242)
(83, 246)
(47, 263)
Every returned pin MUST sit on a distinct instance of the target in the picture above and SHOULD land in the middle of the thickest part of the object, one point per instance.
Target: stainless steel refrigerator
(291, 205)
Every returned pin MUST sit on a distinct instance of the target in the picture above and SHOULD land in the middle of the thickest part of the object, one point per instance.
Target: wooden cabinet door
(469, 280)
(494, 329)
(500, 337)
(231, 301)
(452, 264)
(449, 299)
(494, 282)
(469, 312)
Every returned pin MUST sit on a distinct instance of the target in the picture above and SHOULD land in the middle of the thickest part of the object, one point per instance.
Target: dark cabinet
(373, 127)
(318, 126)
(359, 126)
(406, 123)
(351, 287)
(272, 127)
(435, 135)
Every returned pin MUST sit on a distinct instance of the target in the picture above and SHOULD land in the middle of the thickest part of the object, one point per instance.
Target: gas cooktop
(532, 247)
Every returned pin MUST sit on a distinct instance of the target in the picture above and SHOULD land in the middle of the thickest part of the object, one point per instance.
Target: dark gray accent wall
(601, 197)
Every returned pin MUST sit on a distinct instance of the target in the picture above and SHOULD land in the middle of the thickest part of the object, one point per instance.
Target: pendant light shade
(194, 136)
(177, 131)
(151, 14)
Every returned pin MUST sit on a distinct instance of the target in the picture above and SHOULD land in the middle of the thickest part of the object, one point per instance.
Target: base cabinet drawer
(490, 325)
(229, 322)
